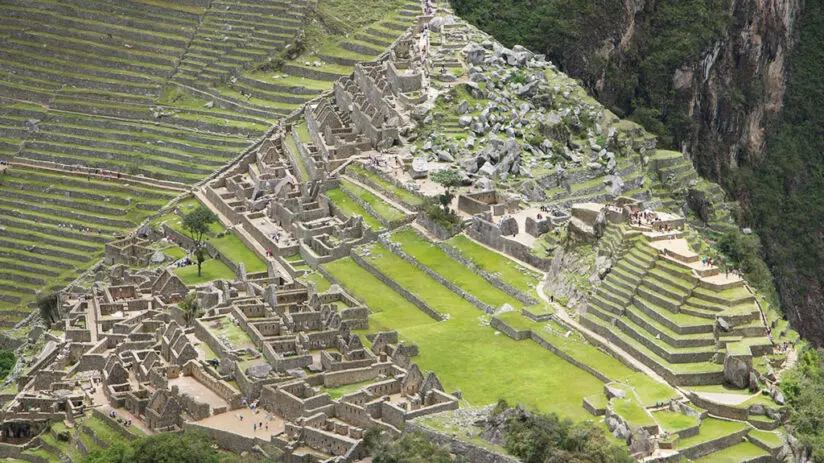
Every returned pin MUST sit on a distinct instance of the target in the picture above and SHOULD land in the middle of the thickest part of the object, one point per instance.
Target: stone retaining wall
(706, 448)
(493, 280)
(396, 287)
(490, 234)
(443, 281)
(503, 327)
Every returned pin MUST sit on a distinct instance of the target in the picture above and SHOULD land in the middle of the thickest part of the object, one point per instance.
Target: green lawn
(380, 206)
(712, 428)
(321, 283)
(650, 391)
(674, 421)
(404, 195)
(430, 255)
(462, 351)
(211, 270)
(233, 248)
(630, 410)
(337, 392)
(350, 208)
(490, 261)
(744, 451)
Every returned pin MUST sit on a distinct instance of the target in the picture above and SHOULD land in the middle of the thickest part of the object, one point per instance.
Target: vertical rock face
(731, 91)
(739, 85)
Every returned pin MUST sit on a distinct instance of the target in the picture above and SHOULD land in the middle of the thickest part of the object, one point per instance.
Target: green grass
(713, 428)
(462, 351)
(211, 270)
(340, 391)
(430, 255)
(231, 247)
(350, 208)
(630, 410)
(650, 392)
(739, 452)
(772, 439)
(321, 283)
(404, 195)
(490, 261)
(380, 206)
(674, 421)
(103, 430)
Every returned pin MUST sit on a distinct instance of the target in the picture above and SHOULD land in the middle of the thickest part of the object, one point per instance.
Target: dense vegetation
(638, 79)
(784, 192)
(7, 361)
(537, 438)
(189, 447)
(411, 448)
(803, 388)
(530, 436)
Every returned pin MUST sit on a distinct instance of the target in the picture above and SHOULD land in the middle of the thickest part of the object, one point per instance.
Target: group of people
(120, 419)
(641, 217)
(80, 229)
(254, 407)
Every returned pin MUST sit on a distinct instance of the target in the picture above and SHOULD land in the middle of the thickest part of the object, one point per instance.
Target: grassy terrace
(430, 255)
(490, 261)
(461, 350)
(744, 451)
(41, 217)
(349, 207)
(211, 270)
(404, 195)
(384, 210)
(233, 248)
(712, 428)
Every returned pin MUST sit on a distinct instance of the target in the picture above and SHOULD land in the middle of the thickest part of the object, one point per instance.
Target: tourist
(254, 426)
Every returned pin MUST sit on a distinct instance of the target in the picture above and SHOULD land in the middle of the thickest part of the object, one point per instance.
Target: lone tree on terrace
(190, 308)
(196, 223)
(448, 179)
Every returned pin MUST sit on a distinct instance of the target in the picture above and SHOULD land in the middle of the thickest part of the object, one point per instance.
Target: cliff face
(730, 92)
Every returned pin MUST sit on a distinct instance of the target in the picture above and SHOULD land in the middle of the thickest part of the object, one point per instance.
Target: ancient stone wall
(396, 287)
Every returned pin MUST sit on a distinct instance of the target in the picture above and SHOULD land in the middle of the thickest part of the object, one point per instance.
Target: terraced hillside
(53, 225)
(108, 110)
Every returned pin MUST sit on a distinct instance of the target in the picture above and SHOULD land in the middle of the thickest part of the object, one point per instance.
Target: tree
(189, 447)
(49, 306)
(190, 308)
(7, 362)
(448, 179)
(411, 448)
(196, 223)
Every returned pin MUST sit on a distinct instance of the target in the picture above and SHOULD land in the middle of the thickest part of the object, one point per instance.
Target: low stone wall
(493, 280)
(436, 229)
(548, 346)
(724, 411)
(443, 281)
(227, 440)
(396, 287)
(490, 234)
(471, 452)
(508, 330)
(706, 448)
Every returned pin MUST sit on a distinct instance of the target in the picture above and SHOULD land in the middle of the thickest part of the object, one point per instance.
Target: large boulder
(737, 372)
(487, 170)
(475, 53)
(420, 167)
